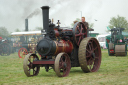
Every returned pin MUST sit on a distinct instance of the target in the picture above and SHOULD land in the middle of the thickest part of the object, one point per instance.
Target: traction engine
(117, 45)
(61, 49)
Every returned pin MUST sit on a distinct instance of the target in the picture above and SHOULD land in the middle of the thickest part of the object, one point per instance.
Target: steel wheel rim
(22, 52)
(29, 68)
(62, 65)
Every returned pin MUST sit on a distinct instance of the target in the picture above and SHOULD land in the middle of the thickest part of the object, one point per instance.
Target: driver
(85, 23)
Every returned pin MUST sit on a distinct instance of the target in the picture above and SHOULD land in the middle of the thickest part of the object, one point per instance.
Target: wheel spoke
(78, 29)
(61, 67)
(60, 63)
(90, 66)
(93, 64)
(87, 56)
(61, 59)
(95, 48)
(88, 51)
(33, 71)
(79, 40)
(83, 33)
(89, 60)
(89, 47)
(81, 29)
(64, 71)
(92, 45)
(77, 35)
(65, 61)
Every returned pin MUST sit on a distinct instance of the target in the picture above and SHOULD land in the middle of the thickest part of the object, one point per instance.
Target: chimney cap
(45, 7)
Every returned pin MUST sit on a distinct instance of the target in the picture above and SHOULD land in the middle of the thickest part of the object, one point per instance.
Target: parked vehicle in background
(118, 43)
(102, 40)
(25, 42)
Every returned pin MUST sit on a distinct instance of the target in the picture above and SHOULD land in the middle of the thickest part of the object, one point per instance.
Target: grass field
(113, 71)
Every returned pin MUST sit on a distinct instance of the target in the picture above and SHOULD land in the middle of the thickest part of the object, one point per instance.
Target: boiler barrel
(63, 46)
(48, 47)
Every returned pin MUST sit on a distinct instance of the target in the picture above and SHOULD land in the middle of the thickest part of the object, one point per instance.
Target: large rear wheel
(89, 54)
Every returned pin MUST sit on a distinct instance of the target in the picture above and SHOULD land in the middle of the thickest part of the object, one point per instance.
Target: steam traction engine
(27, 48)
(5, 48)
(62, 49)
(117, 45)
(25, 42)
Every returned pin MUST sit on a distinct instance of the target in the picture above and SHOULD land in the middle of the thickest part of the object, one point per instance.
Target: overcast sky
(14, 12)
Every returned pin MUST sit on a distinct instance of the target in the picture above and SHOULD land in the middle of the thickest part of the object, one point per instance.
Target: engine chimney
(26, 24)
(45, 14)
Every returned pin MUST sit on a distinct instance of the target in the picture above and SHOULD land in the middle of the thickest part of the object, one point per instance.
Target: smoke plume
(36, 12)
(14, 12)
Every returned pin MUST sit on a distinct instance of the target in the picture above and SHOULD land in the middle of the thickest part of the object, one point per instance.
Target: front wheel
(62, 65)
(29, 68)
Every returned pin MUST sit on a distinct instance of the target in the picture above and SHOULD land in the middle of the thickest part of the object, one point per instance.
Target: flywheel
(79, 32)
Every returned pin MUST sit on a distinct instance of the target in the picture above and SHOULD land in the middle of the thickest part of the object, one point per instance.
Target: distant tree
(77, 19)
(91, 25)
(4, 32)
(38, 28)
(118, 22)
(17, 30)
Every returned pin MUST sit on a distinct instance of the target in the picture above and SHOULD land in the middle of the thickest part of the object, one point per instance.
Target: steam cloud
(13, 12)
(36, 12)
(65, 11)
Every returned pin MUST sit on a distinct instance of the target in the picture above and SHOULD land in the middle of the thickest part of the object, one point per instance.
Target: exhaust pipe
(26, 24)
(45, 15)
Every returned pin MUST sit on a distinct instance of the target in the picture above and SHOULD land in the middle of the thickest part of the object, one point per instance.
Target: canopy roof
(27, 33)
(123, 33)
